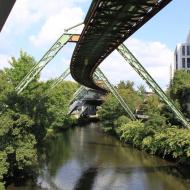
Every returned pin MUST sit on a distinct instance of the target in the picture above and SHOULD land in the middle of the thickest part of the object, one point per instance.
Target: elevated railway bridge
(107, 25)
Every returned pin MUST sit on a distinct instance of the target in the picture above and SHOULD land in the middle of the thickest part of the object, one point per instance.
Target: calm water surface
(86, 159)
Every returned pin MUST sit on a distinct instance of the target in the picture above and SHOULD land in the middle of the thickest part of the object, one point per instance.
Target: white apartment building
(182, 55)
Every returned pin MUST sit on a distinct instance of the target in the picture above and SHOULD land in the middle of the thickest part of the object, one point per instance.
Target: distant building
(182, 55)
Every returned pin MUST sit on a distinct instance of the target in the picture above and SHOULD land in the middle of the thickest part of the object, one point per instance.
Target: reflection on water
(86, 159)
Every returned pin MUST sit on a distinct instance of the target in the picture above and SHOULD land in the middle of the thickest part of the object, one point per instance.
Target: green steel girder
(65, 74)
(52, 52)
(130, 58)
(82, 93)
(108, 24)
(98, 73)
(76, 94)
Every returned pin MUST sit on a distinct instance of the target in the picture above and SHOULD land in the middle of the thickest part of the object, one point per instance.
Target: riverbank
(167, 142)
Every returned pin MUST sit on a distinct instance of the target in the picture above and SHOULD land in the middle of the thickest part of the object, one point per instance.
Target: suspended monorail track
(108, 24)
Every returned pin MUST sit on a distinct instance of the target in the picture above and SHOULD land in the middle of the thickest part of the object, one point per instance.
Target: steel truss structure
(80, 92)
(114, 91)
(128, 56)
(52, 52)
(131, 59)
(65, 74)
(99, 75)
(108, 24)
(49, 55)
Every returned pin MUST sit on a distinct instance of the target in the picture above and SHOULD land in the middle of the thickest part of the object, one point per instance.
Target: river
(86, 159)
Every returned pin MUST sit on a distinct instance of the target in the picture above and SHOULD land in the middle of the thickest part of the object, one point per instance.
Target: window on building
(183, 50)
(183, 62)
(176, 60)
(188, 62)
(188, 50)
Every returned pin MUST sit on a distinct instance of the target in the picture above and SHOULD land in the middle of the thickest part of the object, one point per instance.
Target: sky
(33, 26)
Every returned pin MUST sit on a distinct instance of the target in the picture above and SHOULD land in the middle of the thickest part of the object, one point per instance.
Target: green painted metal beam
(100, 75)
(131, 59)
(77, 93)
(52, 52)
(49, 55)
(65, 74)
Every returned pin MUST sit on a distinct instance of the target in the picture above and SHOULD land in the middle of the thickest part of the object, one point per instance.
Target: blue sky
(34, 25)
(170, 26)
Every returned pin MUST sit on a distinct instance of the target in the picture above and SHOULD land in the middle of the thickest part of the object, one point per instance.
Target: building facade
(182, 55)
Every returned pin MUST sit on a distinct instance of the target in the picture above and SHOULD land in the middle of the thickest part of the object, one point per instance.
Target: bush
(170, 142)
(3, 167)
(121, 120)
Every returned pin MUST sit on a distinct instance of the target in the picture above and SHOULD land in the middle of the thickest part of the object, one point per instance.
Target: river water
(86, 159)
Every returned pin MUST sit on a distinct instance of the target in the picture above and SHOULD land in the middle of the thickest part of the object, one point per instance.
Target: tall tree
(180, 89)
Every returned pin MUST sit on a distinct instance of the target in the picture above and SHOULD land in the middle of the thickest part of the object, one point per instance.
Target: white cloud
(151, 53)
(52, 15)
(154, 56)
(54, 69)
(46, 21)
(55, 25)
(39, 21)
(4, 61)
(21, 18)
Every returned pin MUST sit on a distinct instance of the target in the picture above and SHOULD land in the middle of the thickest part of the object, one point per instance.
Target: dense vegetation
(28, 118)
(161, 134)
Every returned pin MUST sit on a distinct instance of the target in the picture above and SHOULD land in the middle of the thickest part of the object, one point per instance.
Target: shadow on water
(57, 152)
(173, 170)
(86, 180)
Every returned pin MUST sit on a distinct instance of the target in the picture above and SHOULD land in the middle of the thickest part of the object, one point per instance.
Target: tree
(25, 118)
(126, 85)
(111, 109)
(141, 90)
(17, 146)
(150, 105)
(58, 104)
(19, 68)
(180, 89)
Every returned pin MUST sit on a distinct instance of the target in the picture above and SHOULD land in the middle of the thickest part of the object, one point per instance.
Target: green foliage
(111, 109)
(150, 105)
(58, 105)
(131, 132)
(27, 118)
(169, 115)
(180, 89)
(19, 68)
(156, 120)
(126, 85)
(157, 135)
(170, 142)
(17, 143)
(121, 120)
(3, 167)
(141, 90)
(180, 81)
